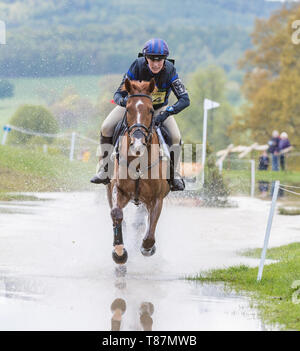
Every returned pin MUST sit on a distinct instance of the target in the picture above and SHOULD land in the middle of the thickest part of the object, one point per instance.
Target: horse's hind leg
(154, 210)
(119, 201)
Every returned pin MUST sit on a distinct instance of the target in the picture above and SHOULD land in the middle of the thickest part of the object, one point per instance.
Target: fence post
(221, 166)
(268, 230)
(252, 177)
(2, 33)
(6, 129)
(72, 148)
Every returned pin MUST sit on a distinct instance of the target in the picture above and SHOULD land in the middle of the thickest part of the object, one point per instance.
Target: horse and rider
(143, 110)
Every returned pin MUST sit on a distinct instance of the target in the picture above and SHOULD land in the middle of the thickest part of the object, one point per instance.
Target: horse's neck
(153, 150)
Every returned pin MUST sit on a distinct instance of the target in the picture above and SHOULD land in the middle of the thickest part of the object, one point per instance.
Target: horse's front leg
(119, 201)
(109, 195)
(154, 209)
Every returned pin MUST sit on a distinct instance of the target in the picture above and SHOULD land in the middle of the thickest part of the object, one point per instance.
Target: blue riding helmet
(156, 49)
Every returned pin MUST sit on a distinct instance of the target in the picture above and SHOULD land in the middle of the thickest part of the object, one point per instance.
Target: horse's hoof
(120, 259)
(148, 252)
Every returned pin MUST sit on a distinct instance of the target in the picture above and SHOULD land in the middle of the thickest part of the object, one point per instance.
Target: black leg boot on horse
(119, 253)
(105, 170)
(176, 182)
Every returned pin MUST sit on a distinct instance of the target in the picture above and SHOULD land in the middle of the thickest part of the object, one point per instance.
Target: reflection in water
(12, 287)
(120, 270)
(120, 273)
(263, 187)
(118, 308)
(8, 210)
(120, 283)
(146, 311)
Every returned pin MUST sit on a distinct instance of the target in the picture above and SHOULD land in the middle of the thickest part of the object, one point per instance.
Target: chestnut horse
(140, 139)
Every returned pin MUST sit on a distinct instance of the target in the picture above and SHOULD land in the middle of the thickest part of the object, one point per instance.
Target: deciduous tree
(272, 81)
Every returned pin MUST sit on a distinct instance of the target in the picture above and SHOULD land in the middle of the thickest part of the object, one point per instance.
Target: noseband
(140, 126)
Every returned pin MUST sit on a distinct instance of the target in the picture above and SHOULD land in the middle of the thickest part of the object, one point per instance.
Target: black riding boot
(105, 171)
(176, 182)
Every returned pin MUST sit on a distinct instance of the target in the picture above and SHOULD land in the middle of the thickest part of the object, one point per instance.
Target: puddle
(43, 303)
(56, 270)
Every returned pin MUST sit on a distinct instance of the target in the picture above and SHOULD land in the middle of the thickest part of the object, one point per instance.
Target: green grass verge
(292, 177)
(289, 211)
(274, 294)
(23, 170)
(239, 181)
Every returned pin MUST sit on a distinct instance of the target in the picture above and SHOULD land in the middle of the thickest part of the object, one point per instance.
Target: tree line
(272, 82)
(99, 37)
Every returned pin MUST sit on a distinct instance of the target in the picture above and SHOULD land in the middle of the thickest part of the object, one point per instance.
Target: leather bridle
(140, 127)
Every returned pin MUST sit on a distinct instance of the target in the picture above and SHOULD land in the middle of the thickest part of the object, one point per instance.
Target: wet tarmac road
(56, 270)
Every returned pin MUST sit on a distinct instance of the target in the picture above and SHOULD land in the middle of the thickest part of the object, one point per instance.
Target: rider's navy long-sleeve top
(166, 80)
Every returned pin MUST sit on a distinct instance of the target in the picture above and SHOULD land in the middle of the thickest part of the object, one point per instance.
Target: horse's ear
(127, 85)
(151, 85)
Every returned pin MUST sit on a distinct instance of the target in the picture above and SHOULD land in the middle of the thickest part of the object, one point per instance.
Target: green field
(239, 181)
(36, 163)
(23, 170)
(277, 295)
(35, 91)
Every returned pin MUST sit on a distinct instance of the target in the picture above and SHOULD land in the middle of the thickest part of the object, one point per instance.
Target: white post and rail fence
(207, 105)
(252, 170)
(7, 128)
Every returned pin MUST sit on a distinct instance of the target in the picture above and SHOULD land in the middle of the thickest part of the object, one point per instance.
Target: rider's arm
(121, 94)
(180, 92)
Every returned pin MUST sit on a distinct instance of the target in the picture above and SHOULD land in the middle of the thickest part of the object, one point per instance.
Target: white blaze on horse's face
(140, 102)
(137, 145)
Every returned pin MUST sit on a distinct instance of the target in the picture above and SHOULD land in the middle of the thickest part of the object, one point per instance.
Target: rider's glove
(123, 101)
(164, 115)
(170, 109)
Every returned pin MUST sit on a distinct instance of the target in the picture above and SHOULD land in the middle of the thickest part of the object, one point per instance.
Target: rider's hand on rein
(161, 117)
(164, 115)
(123, 101)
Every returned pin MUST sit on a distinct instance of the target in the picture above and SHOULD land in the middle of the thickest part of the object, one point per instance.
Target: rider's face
(155, 65)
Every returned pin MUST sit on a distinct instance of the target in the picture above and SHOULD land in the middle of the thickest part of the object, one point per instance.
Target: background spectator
(264, 161)
(263, 165)
(274, 150)
(284, 147)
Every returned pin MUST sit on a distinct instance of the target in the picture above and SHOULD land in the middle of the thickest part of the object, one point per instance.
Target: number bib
(158, 97)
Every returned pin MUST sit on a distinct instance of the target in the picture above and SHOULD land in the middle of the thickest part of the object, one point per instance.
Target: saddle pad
(119, 130)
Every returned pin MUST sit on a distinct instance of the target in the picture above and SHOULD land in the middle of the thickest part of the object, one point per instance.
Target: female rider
(153, 64)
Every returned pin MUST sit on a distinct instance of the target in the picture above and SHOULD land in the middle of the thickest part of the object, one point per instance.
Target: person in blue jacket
(284, 146)
(153, 64)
